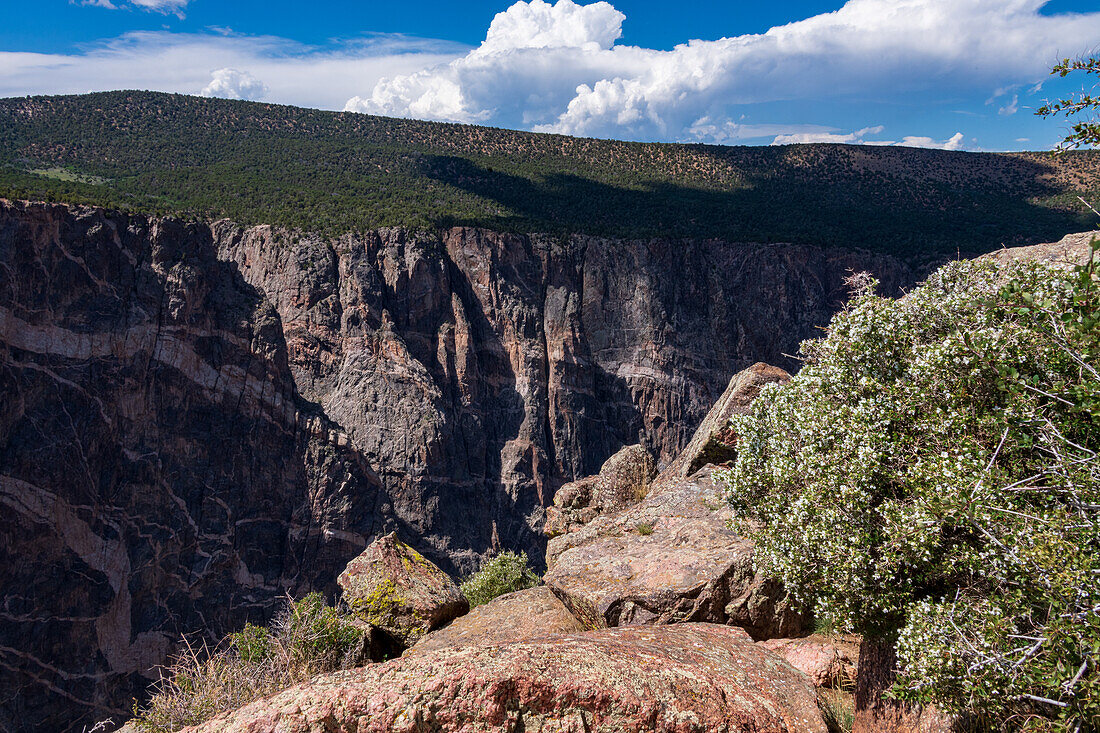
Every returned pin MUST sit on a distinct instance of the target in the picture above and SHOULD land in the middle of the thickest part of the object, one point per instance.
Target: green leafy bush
(931, 476)
(306, 639)
(505, 573)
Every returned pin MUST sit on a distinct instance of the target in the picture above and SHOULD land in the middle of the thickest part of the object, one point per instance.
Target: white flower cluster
(929, 474)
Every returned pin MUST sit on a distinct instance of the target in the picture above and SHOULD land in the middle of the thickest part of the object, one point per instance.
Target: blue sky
(960, 74)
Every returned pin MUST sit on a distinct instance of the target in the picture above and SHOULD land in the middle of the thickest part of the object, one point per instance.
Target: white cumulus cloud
(557, 68)
(539, 24)
(533, 55)
(955, 142)
(863, 137)
(832, 137)
(234, 84)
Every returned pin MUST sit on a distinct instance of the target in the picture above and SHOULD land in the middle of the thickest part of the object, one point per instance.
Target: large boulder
(687, 678)
(1069, 251)
(524, 614)
(624, 479)
(714, 441)
(669, 559)
(828, 662)
(394, 588)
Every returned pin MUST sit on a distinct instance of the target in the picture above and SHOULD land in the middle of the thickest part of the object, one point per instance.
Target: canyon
(201, 417)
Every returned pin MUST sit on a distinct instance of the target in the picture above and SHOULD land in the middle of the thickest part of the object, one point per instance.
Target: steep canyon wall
(197, 418)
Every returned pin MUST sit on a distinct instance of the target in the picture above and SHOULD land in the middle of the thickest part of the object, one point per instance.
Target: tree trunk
(876, 714)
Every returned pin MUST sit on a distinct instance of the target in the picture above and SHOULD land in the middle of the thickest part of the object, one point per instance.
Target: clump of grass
(644, 529)
(838, 709)
(505, 573)
(307, 638)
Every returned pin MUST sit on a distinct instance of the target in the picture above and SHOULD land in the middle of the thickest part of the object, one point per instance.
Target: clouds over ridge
(556, 68)
(199, 63)
(909, 67)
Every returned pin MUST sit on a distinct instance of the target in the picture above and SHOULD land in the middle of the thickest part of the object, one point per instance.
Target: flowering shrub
(930, 476)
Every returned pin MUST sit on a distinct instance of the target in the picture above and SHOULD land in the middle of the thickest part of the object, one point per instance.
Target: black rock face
(197, 419)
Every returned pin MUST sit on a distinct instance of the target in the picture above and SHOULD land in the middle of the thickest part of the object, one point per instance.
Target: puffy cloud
(539, 24)
(233, 84)
(177, 62)
(860, 137)
(533, 55)
(955, 142)
(556, 68)
(832, 137)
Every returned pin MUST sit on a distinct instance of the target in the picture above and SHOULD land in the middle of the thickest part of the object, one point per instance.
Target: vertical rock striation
(197, 418)
(159, 472)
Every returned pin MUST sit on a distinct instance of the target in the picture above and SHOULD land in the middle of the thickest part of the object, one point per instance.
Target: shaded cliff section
(198, 418)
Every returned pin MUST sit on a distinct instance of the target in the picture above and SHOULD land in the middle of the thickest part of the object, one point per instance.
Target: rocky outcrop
(395, 589)
(1070, 250)
(477, 372)
(624, 479)
(672, 558)
(525, 614)
(828, 662)
(686, 678)
(714, 441)
(669, 556)
(200, 418)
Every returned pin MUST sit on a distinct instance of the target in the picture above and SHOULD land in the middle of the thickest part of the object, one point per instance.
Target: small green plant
(505, 573)
(644, 529)
(824, 626)
(307, 638)
(253, 643)
(317, 636)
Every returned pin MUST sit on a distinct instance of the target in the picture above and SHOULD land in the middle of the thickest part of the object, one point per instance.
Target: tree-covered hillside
(335, 172)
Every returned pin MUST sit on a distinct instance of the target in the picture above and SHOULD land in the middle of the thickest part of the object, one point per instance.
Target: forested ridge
(336, 172)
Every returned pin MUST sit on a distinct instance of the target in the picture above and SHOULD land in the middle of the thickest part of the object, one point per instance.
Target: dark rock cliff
(195, 419)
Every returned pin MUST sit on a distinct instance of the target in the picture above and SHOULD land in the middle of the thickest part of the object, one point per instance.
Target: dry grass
(837, 708)
(307, 638)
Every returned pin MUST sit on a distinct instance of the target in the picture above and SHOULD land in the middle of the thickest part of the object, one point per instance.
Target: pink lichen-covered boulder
(524, 614)
(688, 678)
(670, 558)
(827, 662)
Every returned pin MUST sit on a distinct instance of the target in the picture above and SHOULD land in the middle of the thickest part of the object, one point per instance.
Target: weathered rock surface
(159, 472)
(477, 372)
(713, 441)
(394, 588)
(197, 419)
(686, 678)
(1070, 250)
(669, 559)
(525, 614)
(624, 479)
(828, 662)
